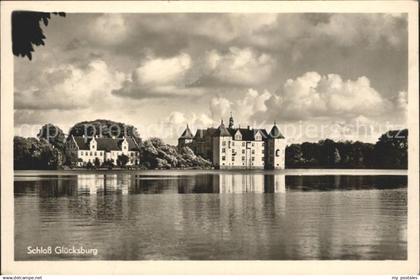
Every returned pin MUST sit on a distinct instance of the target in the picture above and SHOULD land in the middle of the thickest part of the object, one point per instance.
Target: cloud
(109, 29)
(159, 77)
(192, 119)
(355, 29)
(254, 65)
(314, 95)
(171, 127)
(220, 107)
(237, 67)
(401, 106)
(67, 87)
(251, 103)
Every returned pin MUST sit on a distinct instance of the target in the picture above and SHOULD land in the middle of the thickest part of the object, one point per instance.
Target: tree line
(389, 152)
(48, 150)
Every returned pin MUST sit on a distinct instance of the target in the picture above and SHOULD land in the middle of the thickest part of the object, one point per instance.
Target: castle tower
(276, 147)
(231, 123)
(221, 147)
(185, 138)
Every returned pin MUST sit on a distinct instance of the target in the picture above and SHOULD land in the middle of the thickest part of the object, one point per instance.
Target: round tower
(276, 147)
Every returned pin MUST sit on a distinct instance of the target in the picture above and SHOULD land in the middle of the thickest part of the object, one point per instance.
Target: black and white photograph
(211, 136)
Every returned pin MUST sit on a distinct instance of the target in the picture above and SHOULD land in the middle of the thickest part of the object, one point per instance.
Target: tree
(389, 152)
(97, 162)
(31, 153)
(53, 135)
(122, 160)
(156, 154)
(391, 149)
(70, 158)
(89, 165)
(108, 163)
(327, 148)
(294, 156)
(27, 32)
(104, 128)
(337, 157)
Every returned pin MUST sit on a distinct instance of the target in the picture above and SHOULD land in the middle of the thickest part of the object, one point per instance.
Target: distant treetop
(104, 128)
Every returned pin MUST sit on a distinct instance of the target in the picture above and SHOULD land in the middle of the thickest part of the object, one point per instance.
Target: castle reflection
(100, 183)
(222, 183)
(89, 184)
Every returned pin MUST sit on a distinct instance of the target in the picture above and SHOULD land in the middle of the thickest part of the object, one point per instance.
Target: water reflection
(217, 216)
(223, 183)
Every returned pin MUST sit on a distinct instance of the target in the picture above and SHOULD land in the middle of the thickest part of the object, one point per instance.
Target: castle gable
(105, 144)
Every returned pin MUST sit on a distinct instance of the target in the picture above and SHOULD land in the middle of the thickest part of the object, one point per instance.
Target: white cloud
(109, 29)
(161, 71)
(244, 108)
(220, 107)
(159, 77)
(401, 106)
(226, 28)
(68, 87)
(252, 103)
(192, 119)
(314, 95)
(237, 67)
(349, 30)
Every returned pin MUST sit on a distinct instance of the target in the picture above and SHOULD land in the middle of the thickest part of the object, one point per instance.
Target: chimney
(249, 127)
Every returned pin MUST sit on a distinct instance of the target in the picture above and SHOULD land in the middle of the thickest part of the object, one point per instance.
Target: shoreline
(325, 172)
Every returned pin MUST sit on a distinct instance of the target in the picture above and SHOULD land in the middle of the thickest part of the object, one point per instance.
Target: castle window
(95, 153)
(243, 151)
(233, 158)
(262, 159)
(253, 159)
(223, 158)
(277, 152)
(90, 153)
(243, 158)
(81, 153)
(263, 144)
(223, 150)
(224, 143)
(253, 152)
(252, 144)
(243, 144)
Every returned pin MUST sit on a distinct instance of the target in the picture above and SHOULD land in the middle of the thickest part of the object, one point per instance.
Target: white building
(238, 147)
(104, 149)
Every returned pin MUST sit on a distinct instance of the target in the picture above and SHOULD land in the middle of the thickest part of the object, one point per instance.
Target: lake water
(211, 215)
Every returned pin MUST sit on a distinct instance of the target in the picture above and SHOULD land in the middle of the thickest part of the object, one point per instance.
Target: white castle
(236, 148)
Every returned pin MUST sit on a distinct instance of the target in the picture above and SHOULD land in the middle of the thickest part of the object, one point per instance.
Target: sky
(337, 76)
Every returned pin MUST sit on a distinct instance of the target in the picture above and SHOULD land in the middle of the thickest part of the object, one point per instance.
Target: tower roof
(275, 132)
(187, 134)
(231, 122)
(222, 130)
